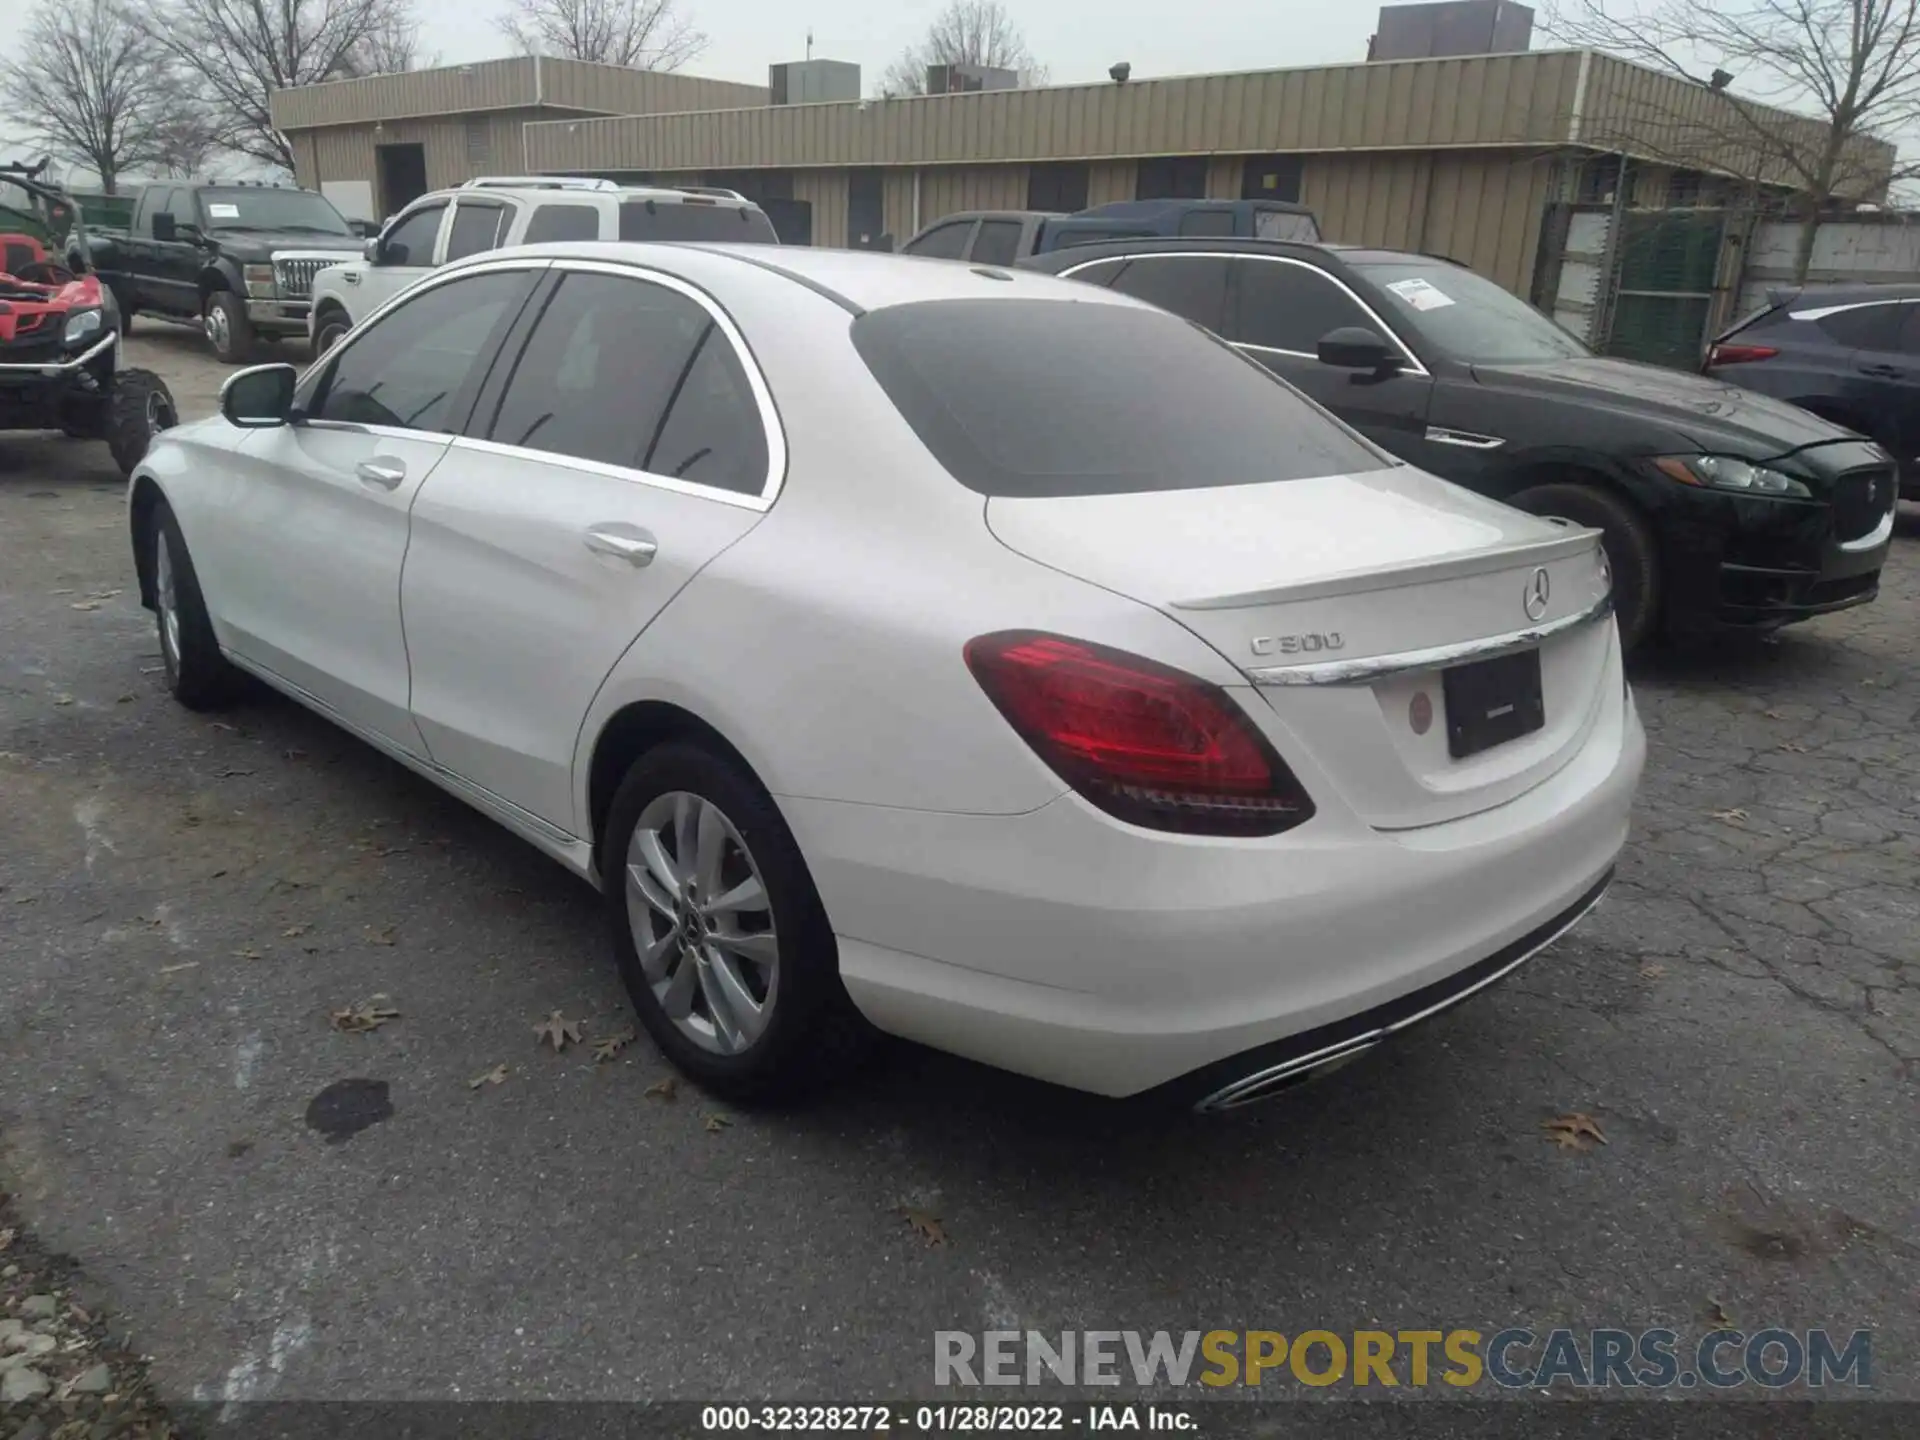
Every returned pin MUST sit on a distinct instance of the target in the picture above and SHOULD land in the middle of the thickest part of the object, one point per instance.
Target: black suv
(1719, 507)
(1848, 352)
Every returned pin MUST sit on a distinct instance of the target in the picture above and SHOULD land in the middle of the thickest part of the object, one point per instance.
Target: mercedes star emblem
(1539, 590)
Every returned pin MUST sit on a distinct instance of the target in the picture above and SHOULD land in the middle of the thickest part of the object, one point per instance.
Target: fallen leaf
(63, 699)
(716, 1123)
(6, 1238)
(1774, 714)
(1730, 817)
(665, 1089)
(1652, 971)
(230, 774)
(557, 1030)
(222, 725)
(247, 954)
(176, 969)
(295, 754)
(151, 669)
(1793, 749)
(101, 594)
(927, 1226)
(496, 1076)
(79, 1314)
(294, 931)
(388, 850)
(85, 605)
(1573, 1131)
(605, 1049)
(369, 1014)
(125, 700)
(1718, 1312)
(382, 936)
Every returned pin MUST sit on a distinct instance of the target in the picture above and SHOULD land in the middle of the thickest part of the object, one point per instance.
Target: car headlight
(82, 325)
(260, 283)
(1723, 472)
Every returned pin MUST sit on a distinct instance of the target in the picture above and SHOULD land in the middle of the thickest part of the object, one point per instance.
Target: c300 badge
(1309, 644)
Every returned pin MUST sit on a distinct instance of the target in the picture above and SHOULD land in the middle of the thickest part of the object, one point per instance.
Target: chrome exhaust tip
(1274, 1079)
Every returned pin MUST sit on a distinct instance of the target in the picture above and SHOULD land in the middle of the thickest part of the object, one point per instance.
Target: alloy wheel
(166, 603)
(159, 416)
(216, 322)
(702, 923)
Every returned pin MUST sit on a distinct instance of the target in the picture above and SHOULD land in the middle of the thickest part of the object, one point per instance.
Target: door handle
(386, 472)
(1884, 372)
(636, 549)
(352, 277)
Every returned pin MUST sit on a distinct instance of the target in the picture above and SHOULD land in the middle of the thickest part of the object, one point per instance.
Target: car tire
(705, 959)
(197, 674)
(1632, 554)
(140, 408)
(333, 327)
(229, 331)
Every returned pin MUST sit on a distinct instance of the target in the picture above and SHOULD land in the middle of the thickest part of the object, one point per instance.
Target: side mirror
(365, 229)
(260, 397)
(187, 230)
(371, 250)
(1354, 347)
(164, 228)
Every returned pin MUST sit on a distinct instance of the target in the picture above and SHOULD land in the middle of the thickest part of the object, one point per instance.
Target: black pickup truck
(237, 260)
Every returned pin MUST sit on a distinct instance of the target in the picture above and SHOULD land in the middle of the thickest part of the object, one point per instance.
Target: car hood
(259, 245)
(1707, 413)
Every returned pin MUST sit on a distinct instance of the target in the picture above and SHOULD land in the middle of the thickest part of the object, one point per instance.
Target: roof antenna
(809, 42)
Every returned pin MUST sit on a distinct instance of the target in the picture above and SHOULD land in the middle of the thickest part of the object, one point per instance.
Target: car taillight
(1148, 744)
(1739, 354)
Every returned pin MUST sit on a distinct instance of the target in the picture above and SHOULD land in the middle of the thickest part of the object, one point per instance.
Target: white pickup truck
(489, 213)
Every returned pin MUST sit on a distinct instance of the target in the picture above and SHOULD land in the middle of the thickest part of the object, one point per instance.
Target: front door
(627, 450)
(406, 253)
(322, 505)
(1278, 311)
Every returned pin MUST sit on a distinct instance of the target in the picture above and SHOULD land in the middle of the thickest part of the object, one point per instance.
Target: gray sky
(1076, 39)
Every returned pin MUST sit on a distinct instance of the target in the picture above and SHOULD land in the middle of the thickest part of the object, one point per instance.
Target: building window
(1271, 177)
(1599, 179)
(1171, 177)
(479, 142)
(1061, 187)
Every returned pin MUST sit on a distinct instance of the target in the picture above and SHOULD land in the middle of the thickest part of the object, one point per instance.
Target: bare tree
(392, 48)
(642, 34)
(184, 141)
(238, 52)
(1822, 84)
(967, 32)
(87, 81)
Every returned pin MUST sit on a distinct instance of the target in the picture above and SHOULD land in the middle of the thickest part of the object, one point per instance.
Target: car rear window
(1030, 398)
(694, 220)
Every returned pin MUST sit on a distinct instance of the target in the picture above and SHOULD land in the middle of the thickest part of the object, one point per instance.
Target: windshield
(693, 220)
(1466, 317)
(264, 208)
(28, 212)
(1052, 397)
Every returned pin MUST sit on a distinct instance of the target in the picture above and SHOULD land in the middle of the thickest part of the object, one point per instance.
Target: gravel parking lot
(185, 902)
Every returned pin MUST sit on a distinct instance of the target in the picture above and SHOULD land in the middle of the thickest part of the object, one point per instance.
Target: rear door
(480, 223)
(942, 242)
(1899, 384)
(629, 443)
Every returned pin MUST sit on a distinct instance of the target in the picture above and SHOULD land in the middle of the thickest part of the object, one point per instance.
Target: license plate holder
(1490, 702)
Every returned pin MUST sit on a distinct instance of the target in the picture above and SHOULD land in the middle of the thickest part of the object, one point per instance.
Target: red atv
(60, 332)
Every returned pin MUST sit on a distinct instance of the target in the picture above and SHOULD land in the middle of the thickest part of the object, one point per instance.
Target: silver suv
(499, 210)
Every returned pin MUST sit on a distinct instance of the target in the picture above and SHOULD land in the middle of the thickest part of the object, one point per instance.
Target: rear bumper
(1063, 945)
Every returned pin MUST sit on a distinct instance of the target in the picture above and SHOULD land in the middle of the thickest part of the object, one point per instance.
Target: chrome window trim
(1821, 312)
(1435, 657)
(1412, 367)
(737, 498)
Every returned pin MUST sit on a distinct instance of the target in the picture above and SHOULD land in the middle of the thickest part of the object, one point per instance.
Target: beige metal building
(1458, 156)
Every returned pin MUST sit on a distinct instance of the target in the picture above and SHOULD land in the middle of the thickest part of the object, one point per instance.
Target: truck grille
(1861, 500)
(295, 277)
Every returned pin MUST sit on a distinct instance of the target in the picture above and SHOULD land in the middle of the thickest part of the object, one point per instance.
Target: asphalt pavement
(186, 902)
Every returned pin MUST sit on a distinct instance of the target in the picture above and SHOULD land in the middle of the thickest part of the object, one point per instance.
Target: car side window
(625, 372)
(1193, 287)
(408, 367)
(562, 222)
(998, 242)
(1101, 272)
(410, 242)
(477, 226)
(1207, 222)
(1283, 306)
(1864, 327)
(943, 242)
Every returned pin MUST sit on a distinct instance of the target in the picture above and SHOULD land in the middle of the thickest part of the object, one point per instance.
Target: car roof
(856, 280)
(1147, 209)
(1808, 296)
(1055, 260)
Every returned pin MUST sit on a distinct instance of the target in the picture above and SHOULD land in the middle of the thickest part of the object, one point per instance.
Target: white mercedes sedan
(903, 646)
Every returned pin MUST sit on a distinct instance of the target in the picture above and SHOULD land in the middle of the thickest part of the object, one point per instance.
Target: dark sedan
(1719, 507)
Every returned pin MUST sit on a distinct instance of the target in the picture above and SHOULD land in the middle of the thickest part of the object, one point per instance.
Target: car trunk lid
(1346, 599)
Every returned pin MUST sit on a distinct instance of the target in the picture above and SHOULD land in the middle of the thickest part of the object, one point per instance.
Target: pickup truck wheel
(141, 408)
(333, 329)
(228, 329)
(1631, 552)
